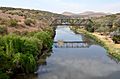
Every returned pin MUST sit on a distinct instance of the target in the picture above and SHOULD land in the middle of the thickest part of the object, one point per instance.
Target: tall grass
(19, 54)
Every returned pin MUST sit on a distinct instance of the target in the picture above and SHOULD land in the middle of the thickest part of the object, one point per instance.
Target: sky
(59, 6)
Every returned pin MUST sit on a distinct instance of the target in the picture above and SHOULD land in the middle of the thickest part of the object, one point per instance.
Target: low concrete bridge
(70, 44)
(71, 41)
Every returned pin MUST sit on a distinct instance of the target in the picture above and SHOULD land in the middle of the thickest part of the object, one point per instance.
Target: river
(91, 62)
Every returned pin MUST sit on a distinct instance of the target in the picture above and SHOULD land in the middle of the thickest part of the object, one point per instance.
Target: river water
(77, 63)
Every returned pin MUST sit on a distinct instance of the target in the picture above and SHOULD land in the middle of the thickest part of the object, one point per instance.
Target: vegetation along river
(90, 61)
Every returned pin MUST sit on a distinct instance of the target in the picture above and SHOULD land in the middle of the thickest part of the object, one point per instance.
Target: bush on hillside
(3, 29)
(13, 22)
(3, 21)
(117, 22)
(29, 21)
(116, 39)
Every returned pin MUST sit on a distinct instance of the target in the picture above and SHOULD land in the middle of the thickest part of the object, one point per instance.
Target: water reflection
(64, 33)
(80, 65)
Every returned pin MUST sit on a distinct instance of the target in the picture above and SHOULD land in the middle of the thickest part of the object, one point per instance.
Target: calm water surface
(77, 63)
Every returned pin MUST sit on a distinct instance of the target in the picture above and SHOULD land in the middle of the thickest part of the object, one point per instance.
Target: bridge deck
(72, 41)
(70, 44)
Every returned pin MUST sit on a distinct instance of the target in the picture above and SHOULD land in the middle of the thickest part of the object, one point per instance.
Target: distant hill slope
(68, 14)
(86, 14)
(18, 19)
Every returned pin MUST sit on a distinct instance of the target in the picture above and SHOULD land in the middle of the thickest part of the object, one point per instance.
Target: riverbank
(112, 49)
(20, 54)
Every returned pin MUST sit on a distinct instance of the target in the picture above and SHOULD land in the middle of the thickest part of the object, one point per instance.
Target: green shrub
(29, 63)
(3, 29)
(116, 39)
(45, 37)
(19, 54)
(5, 64)
(16, 50)
(89, 27)
(17, 32)
(14, 44)
(31, 46)
(13, 22)
(49, 30)
(29, 21)
(3, 21)
(26, 63)
(11, 44)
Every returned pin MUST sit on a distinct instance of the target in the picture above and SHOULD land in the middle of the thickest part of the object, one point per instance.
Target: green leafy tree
(90, 26)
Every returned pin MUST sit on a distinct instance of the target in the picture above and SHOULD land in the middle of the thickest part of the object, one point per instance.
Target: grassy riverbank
(20, 53)
(111, 48)
(25, 38)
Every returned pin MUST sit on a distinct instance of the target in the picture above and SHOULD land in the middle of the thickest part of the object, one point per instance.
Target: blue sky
(59, 6)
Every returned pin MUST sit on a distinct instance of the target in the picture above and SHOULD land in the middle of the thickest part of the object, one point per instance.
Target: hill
(86, 14)
(68, 14)
(22, 20)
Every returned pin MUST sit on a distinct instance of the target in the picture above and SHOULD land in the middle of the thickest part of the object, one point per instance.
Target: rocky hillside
(22, 20)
